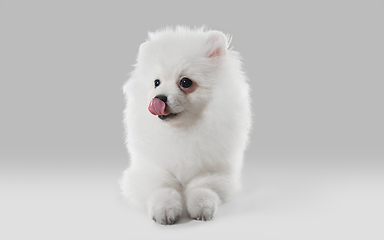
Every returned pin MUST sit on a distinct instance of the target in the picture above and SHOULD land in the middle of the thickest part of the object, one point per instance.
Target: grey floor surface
(285, 196)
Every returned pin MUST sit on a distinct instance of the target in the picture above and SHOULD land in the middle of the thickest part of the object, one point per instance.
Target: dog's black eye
(185, 82)
(157, 83)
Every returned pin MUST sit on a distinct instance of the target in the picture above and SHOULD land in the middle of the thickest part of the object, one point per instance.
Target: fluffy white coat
(194, 159)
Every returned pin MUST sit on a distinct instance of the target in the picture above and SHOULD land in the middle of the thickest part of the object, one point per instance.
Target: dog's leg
(165, 206)
(154, 190)
(204, 194)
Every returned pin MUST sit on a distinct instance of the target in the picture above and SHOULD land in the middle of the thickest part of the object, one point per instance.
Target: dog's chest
(185, 154)
(191, 156)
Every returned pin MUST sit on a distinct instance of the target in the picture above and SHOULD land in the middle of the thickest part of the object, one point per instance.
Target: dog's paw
(202, 203)
(165, 206)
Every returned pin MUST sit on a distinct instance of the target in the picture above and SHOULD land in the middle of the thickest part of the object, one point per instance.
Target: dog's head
(179, 68)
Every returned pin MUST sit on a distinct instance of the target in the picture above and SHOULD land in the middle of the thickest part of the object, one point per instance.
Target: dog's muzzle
(158, 106)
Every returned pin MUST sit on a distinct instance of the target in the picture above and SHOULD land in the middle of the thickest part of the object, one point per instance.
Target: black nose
(162, 98)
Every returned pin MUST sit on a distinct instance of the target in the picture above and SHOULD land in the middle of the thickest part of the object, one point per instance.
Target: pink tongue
(157, 107)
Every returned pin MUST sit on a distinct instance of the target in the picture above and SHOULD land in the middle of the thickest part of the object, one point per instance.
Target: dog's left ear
(217, 44)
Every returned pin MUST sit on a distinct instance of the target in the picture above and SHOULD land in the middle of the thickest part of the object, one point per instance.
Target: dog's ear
(217, 44)
(143, 46)
(142, 51)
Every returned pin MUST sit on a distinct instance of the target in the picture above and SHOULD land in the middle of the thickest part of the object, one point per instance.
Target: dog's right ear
(217, 44)
(142, 46)
(142, 51)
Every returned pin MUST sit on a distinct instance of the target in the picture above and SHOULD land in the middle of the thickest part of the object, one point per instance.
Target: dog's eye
(157, 83)
(185, 82)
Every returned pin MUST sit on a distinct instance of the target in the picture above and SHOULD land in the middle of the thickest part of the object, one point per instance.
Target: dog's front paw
(165, 206)
(202, 203)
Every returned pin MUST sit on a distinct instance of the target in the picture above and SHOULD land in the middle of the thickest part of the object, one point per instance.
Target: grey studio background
(313, 170)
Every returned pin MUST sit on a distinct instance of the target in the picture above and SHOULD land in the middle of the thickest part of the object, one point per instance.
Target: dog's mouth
(167, 117)
(159, 107)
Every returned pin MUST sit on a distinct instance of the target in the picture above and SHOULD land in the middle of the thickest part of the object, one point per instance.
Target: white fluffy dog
(188, 118)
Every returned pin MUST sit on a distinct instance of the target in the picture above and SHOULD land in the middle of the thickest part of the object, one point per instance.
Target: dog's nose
(162, 98)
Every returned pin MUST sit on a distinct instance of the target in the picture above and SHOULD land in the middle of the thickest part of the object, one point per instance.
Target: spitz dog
(187, 119)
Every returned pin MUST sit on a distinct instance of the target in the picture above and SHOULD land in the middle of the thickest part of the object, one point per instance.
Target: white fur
(193, 160)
